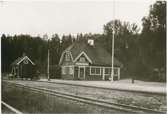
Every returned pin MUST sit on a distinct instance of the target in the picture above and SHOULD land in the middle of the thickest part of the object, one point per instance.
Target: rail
(116, 106)
(11, 108)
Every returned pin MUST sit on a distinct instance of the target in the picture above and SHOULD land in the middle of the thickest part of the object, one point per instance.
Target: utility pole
(48, 62)
(112, 68)
(113, 35)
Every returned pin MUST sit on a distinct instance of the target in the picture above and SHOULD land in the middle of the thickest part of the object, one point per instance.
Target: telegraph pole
(112, 69)
(48, 62)
(113, 36)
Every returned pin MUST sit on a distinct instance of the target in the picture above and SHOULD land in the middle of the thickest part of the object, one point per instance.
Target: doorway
(81, 72)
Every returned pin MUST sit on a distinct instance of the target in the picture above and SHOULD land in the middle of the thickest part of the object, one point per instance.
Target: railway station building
(88, 61)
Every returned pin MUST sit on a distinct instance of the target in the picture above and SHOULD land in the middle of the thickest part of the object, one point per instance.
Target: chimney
(91, 42)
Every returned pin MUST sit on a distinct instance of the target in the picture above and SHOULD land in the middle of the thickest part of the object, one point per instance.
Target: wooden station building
(86, 61)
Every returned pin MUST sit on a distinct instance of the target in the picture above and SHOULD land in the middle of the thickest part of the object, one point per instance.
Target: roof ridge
(69, 47)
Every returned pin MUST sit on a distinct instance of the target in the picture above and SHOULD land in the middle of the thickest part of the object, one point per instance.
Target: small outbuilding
(87, 61)
(23, 67)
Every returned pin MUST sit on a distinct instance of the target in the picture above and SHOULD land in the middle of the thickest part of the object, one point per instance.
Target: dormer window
(67, 56)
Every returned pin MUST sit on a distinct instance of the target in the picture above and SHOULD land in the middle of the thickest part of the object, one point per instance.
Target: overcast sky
(41, 17)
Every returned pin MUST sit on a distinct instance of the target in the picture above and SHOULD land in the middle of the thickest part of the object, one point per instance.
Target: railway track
(101, 103)
(11, 109)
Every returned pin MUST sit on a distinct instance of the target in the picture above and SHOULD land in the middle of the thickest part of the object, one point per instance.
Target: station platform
(124, 85)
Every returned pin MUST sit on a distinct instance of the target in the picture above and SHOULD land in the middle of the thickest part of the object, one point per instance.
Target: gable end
(24, 59)
(62, 58)
(86, 56)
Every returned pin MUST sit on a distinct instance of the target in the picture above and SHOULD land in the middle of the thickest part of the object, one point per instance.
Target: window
(67, 56)
(115, 71)
(95, 70)
(107, 71)
(63, 70)
(71, 70)
(67, 70)
(82, 59)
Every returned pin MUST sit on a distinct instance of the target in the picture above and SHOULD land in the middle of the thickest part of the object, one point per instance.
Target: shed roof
(97, 54)
(20, 59)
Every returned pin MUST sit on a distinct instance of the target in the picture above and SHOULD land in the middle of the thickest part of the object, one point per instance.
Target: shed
(23, 67)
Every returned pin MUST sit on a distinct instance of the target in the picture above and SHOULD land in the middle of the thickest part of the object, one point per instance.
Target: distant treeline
(142, 52)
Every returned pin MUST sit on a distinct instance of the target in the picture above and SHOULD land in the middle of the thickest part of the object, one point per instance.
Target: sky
(39, 17)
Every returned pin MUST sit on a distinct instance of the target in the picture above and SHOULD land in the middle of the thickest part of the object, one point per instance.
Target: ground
(140, 99)
(28, 101)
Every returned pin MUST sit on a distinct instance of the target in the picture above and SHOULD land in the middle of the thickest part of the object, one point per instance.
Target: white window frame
(82, 59)
(71, 70)
(63, 70)
(67, 56)
(116, 68)
(105, 71)
(95, 70)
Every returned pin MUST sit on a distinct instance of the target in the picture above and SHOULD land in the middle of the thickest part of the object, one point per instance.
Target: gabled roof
(83, 53)
(97, 55)
(20, 59)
